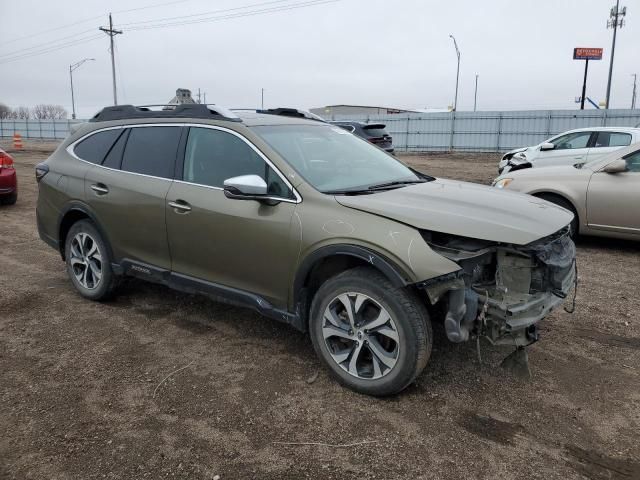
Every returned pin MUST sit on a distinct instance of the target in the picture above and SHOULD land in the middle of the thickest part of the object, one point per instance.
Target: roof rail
(292, 112)
(185, 110)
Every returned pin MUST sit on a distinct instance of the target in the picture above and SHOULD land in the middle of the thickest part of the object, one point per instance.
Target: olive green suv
(305, 223)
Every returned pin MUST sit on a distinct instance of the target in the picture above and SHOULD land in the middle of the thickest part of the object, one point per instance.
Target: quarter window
(213, 156)
(94, 148)
(613, 139)
(151, 151)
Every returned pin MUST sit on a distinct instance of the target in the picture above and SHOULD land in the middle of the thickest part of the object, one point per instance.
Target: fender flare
(389, 269)
(78, 206)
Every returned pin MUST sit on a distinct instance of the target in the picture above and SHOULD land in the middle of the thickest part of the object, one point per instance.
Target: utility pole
(71, 69)
(199, 95)
(633, 95)
(262, 99)
(112, 33)
(205, 97)
(475, 95)
(614, 22)
(455, 101)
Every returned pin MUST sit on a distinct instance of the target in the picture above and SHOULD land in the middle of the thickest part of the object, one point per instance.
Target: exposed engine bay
(501, 291)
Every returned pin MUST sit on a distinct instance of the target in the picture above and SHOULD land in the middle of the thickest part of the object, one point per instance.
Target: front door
(242, 244)
(128, 193)
(613, 199)
(569, 149)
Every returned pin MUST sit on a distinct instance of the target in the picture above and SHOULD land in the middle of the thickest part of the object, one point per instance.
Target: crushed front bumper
(502, 292)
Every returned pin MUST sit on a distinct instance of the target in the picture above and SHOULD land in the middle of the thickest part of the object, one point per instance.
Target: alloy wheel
(360, 335)
(86, 260)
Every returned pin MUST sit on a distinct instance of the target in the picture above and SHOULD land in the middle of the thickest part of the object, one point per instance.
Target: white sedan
(575, 146)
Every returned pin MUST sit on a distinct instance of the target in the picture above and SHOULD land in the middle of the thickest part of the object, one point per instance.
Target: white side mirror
(547, 146)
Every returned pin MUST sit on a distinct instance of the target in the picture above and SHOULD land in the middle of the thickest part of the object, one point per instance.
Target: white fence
(489, 131)
(424, 132)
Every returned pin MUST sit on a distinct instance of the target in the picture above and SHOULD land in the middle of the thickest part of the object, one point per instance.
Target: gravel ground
(159, 384)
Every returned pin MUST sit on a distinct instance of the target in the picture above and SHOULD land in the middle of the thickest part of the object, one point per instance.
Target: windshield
(333, 160)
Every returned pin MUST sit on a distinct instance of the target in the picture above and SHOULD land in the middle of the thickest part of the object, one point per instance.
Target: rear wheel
(88, 261)
(561, 202)
(373, 338)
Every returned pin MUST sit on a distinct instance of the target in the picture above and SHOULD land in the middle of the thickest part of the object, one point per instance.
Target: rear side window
(151, 151)
(95, 147)
(613, 139)
(212, 156)
(114, 157)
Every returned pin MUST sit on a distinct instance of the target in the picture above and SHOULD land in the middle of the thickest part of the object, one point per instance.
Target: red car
(8, 180)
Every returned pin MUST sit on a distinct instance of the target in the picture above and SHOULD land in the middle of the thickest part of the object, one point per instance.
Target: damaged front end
(501, 291)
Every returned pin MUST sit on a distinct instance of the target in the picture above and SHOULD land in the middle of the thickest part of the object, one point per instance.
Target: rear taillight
(5, 161)
(41, 170)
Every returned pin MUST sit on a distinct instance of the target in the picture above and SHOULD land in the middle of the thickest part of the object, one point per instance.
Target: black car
(373, 132)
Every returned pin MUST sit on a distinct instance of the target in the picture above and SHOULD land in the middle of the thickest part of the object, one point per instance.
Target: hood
(465, 209)
(517, 150)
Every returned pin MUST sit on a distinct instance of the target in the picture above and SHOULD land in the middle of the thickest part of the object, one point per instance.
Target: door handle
(100, 188)
(579, 157)
(180, 205)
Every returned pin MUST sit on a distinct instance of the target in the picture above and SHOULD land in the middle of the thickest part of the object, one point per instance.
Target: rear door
(613, 199)
(569, 149)
(127, 192)
(606, 142)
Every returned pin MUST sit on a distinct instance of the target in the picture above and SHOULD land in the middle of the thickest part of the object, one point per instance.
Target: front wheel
(374, 338)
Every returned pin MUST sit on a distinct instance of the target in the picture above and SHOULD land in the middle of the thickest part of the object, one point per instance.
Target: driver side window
(633, 161)
(213, 156)
(572, 141)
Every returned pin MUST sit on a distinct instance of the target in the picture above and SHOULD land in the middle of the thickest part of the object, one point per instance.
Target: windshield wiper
(397, 183)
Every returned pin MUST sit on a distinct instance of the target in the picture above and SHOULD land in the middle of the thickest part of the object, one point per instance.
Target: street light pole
(475, 95)
(455, 101)
(73, 67)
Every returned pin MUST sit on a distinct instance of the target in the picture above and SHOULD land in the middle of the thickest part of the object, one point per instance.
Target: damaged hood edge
(467, 210)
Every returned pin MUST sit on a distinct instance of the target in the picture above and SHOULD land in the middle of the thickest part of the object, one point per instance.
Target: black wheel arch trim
(394, 273)
(79, 206)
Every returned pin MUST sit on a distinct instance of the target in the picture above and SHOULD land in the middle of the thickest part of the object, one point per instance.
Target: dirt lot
(82, 392)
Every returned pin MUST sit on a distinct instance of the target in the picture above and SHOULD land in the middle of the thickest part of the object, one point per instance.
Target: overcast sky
(369, 52)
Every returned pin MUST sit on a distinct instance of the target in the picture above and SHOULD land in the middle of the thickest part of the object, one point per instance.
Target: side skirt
(215, 291)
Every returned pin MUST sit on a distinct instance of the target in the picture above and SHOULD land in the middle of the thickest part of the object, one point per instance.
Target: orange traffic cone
(17, 141)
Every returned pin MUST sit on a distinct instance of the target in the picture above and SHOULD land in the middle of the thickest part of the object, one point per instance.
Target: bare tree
(22, 113)
(46, 111)
(5, 112)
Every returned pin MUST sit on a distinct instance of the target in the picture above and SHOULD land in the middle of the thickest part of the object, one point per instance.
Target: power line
(202, 13)
(51, 49)
(236, 15)
(46, 44)
(78, 22)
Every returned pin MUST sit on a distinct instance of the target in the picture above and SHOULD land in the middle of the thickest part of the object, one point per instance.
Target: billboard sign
(587, 53)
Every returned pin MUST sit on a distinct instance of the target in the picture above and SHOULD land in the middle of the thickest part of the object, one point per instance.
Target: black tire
(561, 202)
(410, 320)
(10, 199)
(102, 288)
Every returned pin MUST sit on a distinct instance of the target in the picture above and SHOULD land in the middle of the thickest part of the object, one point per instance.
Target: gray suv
(306, 224)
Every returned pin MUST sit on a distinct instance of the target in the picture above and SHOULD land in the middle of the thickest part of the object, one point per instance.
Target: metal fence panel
(42, 129)
(423, 132)
(489, 131)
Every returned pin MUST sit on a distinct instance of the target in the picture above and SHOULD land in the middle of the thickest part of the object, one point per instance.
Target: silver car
(604, 195)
